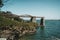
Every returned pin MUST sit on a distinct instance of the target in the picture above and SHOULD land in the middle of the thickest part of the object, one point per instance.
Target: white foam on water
(3, 39)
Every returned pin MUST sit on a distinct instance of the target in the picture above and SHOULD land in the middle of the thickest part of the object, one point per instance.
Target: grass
(8, 22)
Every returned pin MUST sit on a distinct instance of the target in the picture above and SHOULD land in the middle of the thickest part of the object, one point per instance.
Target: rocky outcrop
(14, 34)
(14, 29)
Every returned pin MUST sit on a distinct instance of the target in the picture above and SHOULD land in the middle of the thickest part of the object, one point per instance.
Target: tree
(2, 3)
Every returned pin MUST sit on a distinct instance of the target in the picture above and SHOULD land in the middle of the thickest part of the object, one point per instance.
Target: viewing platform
(33, 19)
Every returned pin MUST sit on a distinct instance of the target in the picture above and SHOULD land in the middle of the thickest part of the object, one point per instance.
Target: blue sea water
(51, 31)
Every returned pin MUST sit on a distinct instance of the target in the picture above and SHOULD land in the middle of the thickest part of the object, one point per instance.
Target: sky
(50, 9)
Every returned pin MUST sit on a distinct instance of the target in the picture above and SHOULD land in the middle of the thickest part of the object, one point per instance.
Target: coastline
(14, 29)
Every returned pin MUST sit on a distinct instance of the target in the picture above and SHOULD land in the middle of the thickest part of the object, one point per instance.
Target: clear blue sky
(50, 9)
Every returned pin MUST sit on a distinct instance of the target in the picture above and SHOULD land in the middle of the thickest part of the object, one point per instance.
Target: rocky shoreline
(14, 34)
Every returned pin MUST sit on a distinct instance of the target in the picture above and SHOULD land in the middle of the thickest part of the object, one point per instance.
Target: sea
(50, 31)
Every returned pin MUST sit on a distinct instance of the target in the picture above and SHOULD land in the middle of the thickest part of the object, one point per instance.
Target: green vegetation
(8, 22)
(4, 21)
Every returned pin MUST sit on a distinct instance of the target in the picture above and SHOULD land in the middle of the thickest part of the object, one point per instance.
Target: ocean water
(51, 31)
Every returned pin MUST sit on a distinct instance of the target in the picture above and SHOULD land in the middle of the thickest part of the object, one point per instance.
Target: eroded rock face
(10, 34)
(14, 33)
